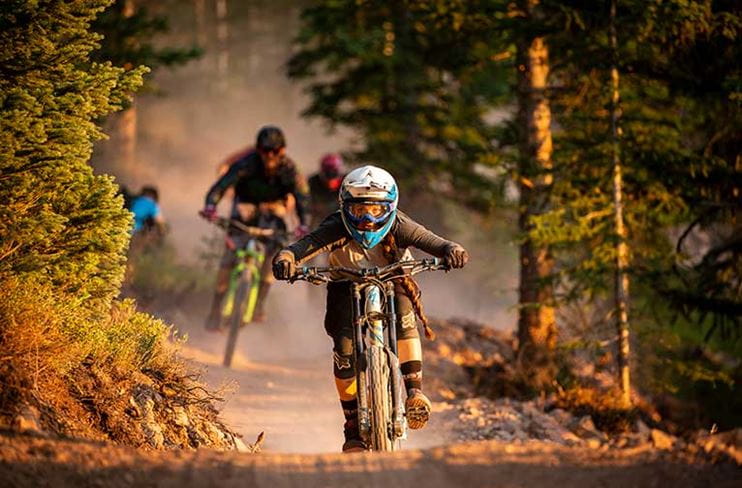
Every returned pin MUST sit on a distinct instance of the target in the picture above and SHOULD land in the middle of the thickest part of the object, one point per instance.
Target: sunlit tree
(59, 223)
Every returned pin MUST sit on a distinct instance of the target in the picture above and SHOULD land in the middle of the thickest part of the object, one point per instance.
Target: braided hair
(409, 286)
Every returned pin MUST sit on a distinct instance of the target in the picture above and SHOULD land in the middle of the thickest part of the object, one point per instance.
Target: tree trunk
(120, 150)
(536, 324)
(126, 144)
(622, 250)
(222, 39)
(199, 14)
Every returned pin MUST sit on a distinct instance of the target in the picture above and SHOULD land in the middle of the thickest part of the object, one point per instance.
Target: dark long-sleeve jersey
(331, 236)
(253, 185)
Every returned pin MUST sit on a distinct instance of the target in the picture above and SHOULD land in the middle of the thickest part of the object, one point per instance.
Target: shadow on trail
(27, 461)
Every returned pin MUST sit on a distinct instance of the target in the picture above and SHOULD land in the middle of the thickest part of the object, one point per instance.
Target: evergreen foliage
(414, 78)
(680, 70)
(59, 223)
(128, 39)
(63, 230)
(421, 82)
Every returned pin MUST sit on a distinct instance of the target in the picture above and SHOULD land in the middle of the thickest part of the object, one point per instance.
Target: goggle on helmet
(368, 201)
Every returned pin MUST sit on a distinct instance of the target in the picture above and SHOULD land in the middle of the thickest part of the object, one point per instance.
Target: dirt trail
(288, 392)
(293, 401)
(36, 462)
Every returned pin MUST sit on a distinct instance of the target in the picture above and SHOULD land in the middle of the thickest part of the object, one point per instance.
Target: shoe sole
(417, 412)
(354, 449)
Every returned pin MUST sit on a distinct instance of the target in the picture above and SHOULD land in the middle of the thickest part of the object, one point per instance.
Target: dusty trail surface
(38, 462)
(283, 386)
(292, 400)
(281, 380)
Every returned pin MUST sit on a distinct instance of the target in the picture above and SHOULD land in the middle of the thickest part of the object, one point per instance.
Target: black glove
(456, 256)
(284, 266)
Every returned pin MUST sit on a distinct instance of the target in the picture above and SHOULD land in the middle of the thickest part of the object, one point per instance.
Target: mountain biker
(367, 231)
(263, 181)
(324, 186)
(146, 210)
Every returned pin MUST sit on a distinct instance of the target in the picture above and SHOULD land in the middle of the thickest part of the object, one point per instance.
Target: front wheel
(235, 320)
(382, 437)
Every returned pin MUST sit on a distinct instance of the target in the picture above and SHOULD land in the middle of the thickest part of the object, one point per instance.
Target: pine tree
(537, 332)
(680, 78)
(59, 223)
(413, 79)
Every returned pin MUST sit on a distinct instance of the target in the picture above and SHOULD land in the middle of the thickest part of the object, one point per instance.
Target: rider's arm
(324, 238)
(301, 195)
(225, 181)
(411, 234)
(157, 215)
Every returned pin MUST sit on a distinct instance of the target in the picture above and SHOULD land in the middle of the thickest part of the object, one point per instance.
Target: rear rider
(324, 186)
(369, 231)
(263, 180)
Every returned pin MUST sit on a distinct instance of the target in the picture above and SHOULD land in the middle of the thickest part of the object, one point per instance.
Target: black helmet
(270, 138)
(150, 191)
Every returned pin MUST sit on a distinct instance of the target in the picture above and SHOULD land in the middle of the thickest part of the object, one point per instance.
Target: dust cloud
(199, 115)
(194, 117)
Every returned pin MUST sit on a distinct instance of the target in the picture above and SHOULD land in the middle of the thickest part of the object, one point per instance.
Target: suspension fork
(364, 419)
(255, 256)
(235, 274)
(396, 376)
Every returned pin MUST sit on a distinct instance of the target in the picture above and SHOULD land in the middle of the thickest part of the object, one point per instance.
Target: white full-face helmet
(368, 200)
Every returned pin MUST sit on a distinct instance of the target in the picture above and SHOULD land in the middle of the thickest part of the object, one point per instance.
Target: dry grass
(78, 367)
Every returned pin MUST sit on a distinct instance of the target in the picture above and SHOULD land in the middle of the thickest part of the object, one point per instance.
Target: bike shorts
(339, 324)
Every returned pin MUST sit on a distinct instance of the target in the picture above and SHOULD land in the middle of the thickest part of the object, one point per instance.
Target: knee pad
(407, 326)
(343, 365)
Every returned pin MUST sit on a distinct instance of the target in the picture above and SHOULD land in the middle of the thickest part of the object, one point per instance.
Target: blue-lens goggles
(370, 215)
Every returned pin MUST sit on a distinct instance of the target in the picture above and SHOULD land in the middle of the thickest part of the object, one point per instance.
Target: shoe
(353, 441)
(417, 409)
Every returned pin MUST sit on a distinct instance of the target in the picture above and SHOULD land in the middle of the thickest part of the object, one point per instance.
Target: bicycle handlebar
(318, 275)
(250, 230)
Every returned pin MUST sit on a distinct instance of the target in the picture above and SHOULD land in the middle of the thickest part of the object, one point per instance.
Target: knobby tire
(235, 321)
(380, 401)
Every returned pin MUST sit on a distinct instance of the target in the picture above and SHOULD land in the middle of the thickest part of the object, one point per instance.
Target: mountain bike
(381, 416)
(238, 305)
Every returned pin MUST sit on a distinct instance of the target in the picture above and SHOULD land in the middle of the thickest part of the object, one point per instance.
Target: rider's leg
(409, 349)
(266, 280)
(222, 283)
(338, 325)
(345, 382)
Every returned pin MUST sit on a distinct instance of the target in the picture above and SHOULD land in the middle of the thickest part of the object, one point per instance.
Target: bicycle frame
(240, 300)
(250, 259)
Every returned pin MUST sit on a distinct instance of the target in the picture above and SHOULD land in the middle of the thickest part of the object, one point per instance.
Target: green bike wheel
(235, 320)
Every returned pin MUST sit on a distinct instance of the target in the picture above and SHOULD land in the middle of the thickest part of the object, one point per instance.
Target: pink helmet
(331, 165)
